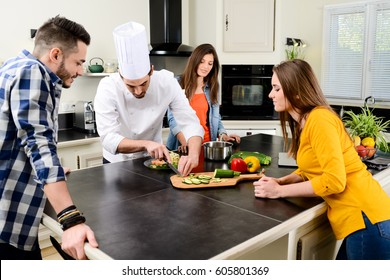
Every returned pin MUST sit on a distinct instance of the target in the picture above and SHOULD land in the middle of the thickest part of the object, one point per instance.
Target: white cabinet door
(80, 153)
(319, 244)
(90, 159)
(249, 25)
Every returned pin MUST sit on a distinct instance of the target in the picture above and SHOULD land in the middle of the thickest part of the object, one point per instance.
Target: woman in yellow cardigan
(328, 165)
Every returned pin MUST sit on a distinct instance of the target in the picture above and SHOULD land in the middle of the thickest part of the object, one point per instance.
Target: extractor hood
(166, 30)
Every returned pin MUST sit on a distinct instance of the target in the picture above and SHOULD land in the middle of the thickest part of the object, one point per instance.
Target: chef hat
(132, 50)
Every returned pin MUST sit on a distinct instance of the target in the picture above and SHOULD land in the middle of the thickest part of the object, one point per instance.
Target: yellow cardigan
(327, 158)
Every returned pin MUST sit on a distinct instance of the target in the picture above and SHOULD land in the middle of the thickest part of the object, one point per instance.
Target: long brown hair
(189, 78)
(302, 90)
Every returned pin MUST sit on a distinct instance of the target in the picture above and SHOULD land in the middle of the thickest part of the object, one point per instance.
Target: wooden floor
(50, 253)
(47, 250)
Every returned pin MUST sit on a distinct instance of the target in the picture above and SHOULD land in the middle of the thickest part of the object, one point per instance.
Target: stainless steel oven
(245, 90)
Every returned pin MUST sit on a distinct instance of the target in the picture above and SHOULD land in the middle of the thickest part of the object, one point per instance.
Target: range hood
(166, 30)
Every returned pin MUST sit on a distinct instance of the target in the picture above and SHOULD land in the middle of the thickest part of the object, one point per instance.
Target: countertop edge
(91, 252)
(78, 142)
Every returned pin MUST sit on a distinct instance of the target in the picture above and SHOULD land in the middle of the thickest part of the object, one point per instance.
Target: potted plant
(295, 49)
(367, 129)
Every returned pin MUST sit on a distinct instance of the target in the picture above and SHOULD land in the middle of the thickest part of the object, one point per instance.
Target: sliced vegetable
(263, 159)
(195, 181)
(204, 177)
(253, 164)
(216, 180)
(187, 181)
(225, 173)
(238, 164)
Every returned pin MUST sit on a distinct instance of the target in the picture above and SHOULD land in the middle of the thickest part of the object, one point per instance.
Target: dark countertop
(137, 214)
(73, 134)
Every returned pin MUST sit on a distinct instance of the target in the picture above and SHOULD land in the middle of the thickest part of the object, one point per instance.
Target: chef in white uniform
(130, 105)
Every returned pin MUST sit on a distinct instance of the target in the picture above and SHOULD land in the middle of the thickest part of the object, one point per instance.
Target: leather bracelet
(69, 208)
(67, 224)
(69, 215)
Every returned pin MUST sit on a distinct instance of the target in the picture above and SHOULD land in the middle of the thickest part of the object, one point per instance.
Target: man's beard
(63, 74)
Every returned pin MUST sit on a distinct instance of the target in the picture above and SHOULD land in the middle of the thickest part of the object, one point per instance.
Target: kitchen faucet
(372, 100)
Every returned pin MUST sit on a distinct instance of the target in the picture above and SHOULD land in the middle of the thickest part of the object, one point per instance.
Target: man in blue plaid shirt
(30, 170)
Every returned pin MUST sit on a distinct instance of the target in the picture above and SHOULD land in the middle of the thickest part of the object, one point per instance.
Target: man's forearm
(58, 195)
(131, 146)
(194, 145)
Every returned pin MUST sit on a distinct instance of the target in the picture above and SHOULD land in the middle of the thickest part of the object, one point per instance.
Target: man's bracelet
(71, 222)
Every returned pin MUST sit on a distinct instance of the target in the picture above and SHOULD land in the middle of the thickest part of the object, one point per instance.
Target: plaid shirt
(29, 99)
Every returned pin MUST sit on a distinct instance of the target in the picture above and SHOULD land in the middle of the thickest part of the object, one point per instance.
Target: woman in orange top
(200, 83)
(328, 165)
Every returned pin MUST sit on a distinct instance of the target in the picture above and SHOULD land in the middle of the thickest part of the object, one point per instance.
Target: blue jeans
(371, 243)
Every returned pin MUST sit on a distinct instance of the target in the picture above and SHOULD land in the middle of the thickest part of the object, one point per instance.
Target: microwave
(244, 93)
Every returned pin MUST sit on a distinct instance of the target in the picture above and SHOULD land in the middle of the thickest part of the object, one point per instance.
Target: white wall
(202, 22)
(99, 17)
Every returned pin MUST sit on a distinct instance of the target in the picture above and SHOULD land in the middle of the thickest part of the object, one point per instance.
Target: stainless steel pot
(217, 150)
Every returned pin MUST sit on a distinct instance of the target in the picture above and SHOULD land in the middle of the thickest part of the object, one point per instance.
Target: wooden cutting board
(177, 181)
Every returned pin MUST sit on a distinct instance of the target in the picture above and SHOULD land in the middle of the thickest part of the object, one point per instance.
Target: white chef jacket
(120, 115)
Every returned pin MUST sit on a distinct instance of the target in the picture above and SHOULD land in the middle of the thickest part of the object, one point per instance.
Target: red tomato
(361, 150)
(370, 151)
(238, 164)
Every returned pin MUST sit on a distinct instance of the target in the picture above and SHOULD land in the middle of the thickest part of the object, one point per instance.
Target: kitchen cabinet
(312, 240)
(248, 25)
(318, 244)
(82, 153)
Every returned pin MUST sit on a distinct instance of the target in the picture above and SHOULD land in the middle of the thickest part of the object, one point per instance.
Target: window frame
(369, 10)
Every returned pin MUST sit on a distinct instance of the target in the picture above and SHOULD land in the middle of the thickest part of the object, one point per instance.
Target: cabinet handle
(227, 22)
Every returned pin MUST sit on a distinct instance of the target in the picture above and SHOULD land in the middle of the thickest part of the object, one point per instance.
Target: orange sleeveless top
(201, 107)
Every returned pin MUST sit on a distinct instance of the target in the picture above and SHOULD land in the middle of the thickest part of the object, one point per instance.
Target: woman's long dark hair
(302, 90)
(189, 78)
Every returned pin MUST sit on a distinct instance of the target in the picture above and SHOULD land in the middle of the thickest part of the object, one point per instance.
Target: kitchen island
(137, 214)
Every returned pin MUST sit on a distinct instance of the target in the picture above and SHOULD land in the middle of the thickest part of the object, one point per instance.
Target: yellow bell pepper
(252, 163)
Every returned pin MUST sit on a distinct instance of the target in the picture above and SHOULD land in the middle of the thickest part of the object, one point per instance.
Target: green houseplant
(366, 124)
(295, 50)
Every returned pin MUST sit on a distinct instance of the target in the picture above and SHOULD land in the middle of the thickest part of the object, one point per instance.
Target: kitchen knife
(174, 169)
(170, 165)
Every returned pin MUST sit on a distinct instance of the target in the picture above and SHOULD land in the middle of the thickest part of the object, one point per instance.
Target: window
(356, 62)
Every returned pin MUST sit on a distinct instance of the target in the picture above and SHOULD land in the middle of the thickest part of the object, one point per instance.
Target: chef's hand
(157, 150)
(187, 163)
(73, 240)
(267, 187)
(66, 170)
